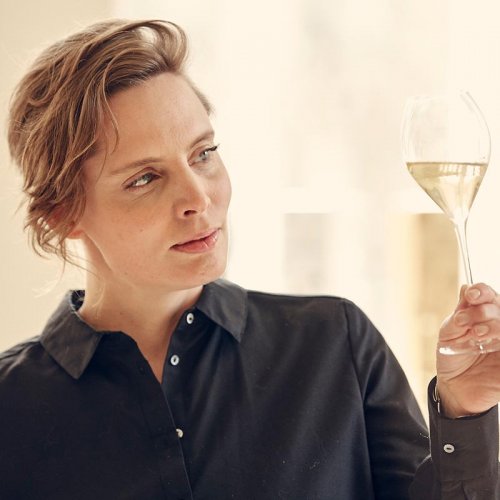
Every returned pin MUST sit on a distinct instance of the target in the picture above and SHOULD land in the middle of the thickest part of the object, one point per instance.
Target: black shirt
(263, 397)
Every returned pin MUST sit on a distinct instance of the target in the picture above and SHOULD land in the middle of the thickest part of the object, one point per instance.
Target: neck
(148, 316)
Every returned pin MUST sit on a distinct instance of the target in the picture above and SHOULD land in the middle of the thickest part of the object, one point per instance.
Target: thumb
(462, 301)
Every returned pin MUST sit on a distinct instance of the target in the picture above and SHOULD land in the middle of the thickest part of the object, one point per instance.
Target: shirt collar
(67, 338)
(72, 342)
(225, 304)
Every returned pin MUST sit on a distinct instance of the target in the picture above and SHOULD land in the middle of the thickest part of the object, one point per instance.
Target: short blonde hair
(57, 108)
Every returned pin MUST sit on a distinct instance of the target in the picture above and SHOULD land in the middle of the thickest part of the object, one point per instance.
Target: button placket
(175, 359)
(174, 373)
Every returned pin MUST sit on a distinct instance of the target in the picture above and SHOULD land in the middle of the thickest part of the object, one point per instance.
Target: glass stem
(461, 232)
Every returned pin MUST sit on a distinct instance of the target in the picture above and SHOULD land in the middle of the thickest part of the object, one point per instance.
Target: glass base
(471, 346)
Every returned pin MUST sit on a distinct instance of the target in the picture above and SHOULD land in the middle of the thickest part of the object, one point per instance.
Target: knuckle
(486, 312)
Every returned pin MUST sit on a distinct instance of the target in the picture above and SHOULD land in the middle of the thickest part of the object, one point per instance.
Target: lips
(200, 243)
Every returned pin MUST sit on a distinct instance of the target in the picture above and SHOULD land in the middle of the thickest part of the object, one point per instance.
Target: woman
(161, 380)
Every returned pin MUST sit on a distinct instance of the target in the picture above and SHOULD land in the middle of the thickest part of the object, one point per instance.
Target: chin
(206, 273)
(213, 272)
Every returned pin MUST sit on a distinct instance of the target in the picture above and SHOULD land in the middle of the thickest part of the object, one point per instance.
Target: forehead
(160, 112)
(166, 100)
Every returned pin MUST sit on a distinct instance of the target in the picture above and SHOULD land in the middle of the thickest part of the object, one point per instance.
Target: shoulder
(19, 352)
(20, 361)
(318, 315)
(313, 307)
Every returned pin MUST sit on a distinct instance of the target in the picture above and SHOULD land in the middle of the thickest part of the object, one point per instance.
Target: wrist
(447, 405)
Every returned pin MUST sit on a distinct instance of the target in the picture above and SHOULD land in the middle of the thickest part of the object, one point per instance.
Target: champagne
(453, 186)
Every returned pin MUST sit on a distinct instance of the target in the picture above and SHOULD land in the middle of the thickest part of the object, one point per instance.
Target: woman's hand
(470, 383)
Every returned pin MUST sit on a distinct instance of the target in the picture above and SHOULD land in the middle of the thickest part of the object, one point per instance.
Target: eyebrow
(208, 134)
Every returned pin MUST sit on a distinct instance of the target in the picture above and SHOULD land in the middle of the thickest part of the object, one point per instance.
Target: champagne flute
(446, 146)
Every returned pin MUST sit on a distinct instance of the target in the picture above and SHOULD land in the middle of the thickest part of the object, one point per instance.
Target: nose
(190, 193)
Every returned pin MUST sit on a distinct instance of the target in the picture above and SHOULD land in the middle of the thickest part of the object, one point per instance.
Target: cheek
(107, 225)
(224, 190)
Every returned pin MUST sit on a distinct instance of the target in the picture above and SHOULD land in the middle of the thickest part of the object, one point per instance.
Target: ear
(55, 218)
(76, 232)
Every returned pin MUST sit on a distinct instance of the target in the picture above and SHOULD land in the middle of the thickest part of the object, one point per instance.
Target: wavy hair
(59, 105)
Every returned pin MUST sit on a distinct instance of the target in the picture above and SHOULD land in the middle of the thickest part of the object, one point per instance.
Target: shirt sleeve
(397, 437)
(463, 464)
(464, 457)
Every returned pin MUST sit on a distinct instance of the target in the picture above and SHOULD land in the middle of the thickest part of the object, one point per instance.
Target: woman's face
(157, 203)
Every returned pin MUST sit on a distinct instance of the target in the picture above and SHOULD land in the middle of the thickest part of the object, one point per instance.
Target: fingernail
(481, 329)
(461, 318)
(473, 293)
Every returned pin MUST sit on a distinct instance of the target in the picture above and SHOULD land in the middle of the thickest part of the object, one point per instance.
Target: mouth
(200, 243)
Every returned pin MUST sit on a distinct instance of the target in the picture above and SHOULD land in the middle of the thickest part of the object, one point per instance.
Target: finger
(462, 301)
(471, 310)
(488, 329)
(472, 315)
(479, 293)
(450, 329)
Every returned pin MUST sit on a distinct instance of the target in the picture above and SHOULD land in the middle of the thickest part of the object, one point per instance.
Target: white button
(174, 360)
(179, 432)
(448, 448)
(190, 318)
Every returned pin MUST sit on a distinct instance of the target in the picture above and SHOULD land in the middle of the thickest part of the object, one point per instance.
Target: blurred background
(309, 96)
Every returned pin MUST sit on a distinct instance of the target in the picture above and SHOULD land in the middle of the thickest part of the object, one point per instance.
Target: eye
(142, 181)
(205, 155)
